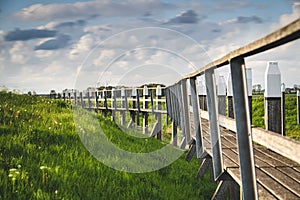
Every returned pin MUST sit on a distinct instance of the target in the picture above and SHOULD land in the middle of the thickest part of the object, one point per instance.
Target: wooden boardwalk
(277, 176)
(248, 162)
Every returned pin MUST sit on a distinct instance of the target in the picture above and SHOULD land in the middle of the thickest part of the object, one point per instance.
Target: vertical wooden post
(97, 100)
(174, 133)
(243, 127)
(158, 115)
(132, 113)
(229, 97)
(249, 90)
(180, 113)
(104, 92)
(138, 107)
(89, 99)
(221, 91)
(197, 122)
(151, 101)
(272, 98)
(113, 104)
(81, 99)
(186, 110)
(75, 97)
(145, 106)
(215, 136)
(283, 109)
(64, 96)
(69, 96)
(123, 112)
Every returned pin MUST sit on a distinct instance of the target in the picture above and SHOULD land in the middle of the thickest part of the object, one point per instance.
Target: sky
(59, 44)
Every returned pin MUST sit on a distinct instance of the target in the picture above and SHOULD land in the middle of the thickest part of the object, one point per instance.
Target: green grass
(292, 128)
(42, 157)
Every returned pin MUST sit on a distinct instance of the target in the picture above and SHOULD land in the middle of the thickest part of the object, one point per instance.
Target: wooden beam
(281, 36)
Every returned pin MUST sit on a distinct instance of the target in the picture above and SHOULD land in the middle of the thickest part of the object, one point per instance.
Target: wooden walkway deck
(277, 176)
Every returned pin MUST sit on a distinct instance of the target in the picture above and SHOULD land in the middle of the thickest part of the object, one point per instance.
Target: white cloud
(19, 53)
(90, 9)
(82, 47)
(287, 18)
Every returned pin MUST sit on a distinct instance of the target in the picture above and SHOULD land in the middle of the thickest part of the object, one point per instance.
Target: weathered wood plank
(273, 186)
(281, 36)
(291, 172)
(283, 179)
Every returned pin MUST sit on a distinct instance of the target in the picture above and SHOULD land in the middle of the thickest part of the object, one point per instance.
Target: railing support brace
(244, 139)
(214, 123)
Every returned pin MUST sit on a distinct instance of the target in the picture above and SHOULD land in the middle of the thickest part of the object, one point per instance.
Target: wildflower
(56, 192)
(19, 166)
(49, 127)
(44, 167)
(12, 170)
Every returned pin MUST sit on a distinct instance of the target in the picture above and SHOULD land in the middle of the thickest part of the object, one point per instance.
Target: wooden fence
(209, 133)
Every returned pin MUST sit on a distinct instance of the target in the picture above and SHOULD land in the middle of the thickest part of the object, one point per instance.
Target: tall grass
(42, 157)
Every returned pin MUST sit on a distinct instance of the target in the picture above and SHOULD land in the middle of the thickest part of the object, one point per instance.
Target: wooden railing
(182, 107)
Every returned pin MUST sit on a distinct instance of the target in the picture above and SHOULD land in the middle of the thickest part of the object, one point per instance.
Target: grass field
(42, 157)
(292, 128)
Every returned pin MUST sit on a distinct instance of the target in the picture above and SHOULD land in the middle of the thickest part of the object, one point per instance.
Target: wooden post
(249, 89)
(272, 98)
(186, 110)
(132, 113)
(89, 99)
(243, 129)
(202, 95)
(197, 121)
(229, 97)
(283, 109)
(69, 96)
(158, 115)
(104, 92)
(145, 106)
(75, 97)
(215, 136)
(298, 106)
(113, 104)
(123, 112)
(151, 101)
(97, 100)
(181, 113)
(174, 133)
(221, 91)
(64, 96)
(138, 107)
(81, 99)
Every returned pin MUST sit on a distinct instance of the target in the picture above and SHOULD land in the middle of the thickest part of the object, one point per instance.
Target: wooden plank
(283, 179)
(278, 157)
(291, 172)
(264, 194)
(264, 157)
(228, 163)
(273, 186)
(297, 168)
(226, 143)
(282, 145)
(230, 153)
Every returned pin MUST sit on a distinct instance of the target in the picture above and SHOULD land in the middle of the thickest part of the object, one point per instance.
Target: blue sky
(54, 44)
